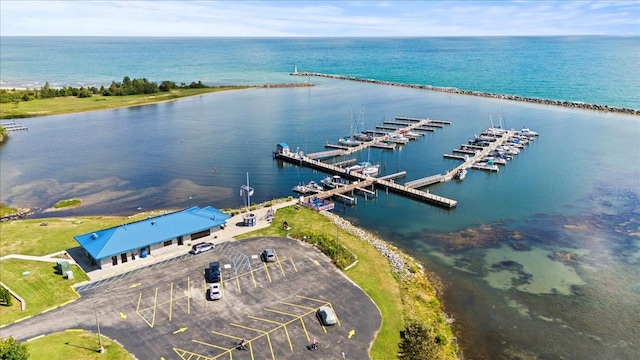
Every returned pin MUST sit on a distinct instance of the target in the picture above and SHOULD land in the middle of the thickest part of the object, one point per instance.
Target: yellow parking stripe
(336, 314)
(212, 345)
(171, 302)
(296, 305)
(188, 295)
(266, 269)
(155, 302)
(282, 312)
(294, 265)
(324, 302)
(279, 263)
(255, 285)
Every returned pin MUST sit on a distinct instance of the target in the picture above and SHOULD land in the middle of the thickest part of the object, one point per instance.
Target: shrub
(5, 297)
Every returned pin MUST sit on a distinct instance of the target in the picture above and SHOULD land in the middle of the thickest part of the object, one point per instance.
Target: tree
(418, 342)
(10, 349)
(5, 295)
(167, 85)
(84, 93)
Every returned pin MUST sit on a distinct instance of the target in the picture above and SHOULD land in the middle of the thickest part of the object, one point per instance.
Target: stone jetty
(569, 104)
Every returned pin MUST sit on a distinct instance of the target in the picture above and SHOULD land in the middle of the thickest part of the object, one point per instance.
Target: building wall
(159, 249)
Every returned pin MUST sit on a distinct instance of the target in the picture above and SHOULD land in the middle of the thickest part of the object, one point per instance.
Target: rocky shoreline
(569, 104)
(396, 259)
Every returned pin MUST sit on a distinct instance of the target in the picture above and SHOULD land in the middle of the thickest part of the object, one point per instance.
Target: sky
(318, 18)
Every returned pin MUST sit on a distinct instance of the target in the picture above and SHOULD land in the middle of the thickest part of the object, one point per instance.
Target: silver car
(268, 255)
(202, 247)
(327, 316)
(214, 292)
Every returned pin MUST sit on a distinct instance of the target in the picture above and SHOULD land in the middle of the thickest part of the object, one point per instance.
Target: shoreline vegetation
(27, 103)
(452, 90)
(404, 292)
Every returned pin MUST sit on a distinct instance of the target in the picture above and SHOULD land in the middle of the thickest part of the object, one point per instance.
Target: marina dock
(388, 138)
(471, 157)
(13, 126)
(360, 181)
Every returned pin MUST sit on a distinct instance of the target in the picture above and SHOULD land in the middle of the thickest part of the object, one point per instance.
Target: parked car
(214, 292)
(268, 255)
(327, 316)
(212, 273)
(201, 247)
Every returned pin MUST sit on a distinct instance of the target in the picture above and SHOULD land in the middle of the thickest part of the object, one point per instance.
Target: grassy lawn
(42, 288)
(72, 104)
(77, 345)
(6, 210)
(398, 298)
(64, 203)
(30, 237)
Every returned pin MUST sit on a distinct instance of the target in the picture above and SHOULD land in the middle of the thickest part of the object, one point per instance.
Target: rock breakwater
(396, 259)
(451, 90)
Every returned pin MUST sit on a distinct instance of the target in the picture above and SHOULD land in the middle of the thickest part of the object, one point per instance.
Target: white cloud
(318, 18)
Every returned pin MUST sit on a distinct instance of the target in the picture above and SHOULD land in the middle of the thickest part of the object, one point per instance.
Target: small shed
(283, 148)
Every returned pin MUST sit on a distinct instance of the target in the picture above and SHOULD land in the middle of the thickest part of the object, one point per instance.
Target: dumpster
(62, 266)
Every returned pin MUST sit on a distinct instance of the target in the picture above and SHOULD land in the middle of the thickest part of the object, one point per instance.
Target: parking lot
(163, 312)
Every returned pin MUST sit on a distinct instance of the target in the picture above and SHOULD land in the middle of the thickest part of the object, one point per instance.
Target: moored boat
(460, 174)
(332, 182)
(309, 188)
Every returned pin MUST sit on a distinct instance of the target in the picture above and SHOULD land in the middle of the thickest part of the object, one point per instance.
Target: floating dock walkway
(360, 181)
(13, 126)
(479, 152)
(386, 139)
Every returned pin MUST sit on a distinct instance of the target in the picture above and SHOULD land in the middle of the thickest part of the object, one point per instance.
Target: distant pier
(452, 90)
(13, 126)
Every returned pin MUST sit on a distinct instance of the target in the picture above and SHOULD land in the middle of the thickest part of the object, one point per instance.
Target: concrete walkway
(235, 226)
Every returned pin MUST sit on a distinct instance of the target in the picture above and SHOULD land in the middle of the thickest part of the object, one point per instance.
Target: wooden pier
(325, 154)
(393, 176)
(386, 137)
(429, 180)
(13, 126)
(362, 181)
(480, 152)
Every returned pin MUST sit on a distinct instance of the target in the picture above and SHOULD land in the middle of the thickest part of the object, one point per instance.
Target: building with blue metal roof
(116, 245)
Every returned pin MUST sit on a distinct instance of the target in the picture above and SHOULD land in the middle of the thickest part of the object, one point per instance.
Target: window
(168, 242)
(200, 234)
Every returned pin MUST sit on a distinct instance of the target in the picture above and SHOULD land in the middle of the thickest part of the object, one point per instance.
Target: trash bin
(143, 253)
(68, 274)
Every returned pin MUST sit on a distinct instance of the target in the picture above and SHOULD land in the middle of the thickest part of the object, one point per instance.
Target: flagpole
(248, 194)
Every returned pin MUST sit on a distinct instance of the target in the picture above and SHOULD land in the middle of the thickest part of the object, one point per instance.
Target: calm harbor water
(540, 260)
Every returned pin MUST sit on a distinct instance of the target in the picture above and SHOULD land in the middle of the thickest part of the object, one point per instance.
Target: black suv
(212, 273)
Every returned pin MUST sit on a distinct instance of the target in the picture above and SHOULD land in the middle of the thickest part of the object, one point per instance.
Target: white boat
(369, 169)
(460, 174)
(348, 141)
(397, 138)
(309, 188)
(527, 132)
(495, 160)
(333, 182)
(364, 168)
(351, 140)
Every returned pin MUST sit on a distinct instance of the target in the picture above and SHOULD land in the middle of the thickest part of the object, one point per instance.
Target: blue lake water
(539, 260)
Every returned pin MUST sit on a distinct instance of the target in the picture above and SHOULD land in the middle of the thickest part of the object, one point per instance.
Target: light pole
(101, 348)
